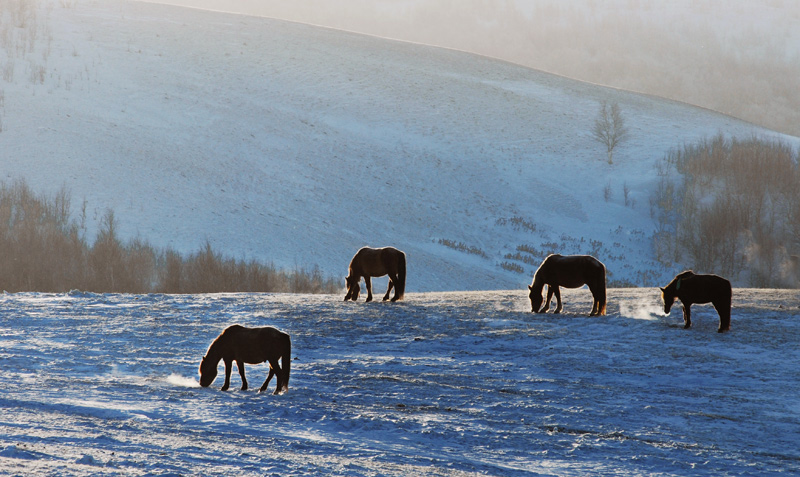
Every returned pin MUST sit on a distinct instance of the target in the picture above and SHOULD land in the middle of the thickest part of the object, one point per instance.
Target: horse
(377, 262)
(251, 346)
(691, 288)
(570, 271)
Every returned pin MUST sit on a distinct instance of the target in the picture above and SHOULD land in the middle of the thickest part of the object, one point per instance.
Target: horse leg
(724, 311)
(269, 377)
(392, 279)
(558, 299)
(687, 315)
(280, 376)
(368, 281)
(228, 365)
(546, 306)
(599, 298)
(240, 365)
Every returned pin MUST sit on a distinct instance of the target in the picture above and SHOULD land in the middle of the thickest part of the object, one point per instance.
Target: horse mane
(540, 272)
(674, 284)
(214, 351)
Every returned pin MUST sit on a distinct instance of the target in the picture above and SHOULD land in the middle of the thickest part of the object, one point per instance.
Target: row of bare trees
(44, 249)
(732, 207)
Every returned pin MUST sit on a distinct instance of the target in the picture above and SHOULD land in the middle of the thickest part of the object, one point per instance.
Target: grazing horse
(570, 271)
(377, 262)
(252, 346)
(690, 288)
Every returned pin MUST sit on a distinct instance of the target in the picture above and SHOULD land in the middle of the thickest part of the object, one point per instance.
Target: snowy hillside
(298, 145)
(459, 383)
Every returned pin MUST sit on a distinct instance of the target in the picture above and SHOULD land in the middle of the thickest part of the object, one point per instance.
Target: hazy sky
(740, 57)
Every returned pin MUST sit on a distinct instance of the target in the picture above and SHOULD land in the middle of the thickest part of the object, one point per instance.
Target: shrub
(462, 247)
(734, 209)
(512, 267)
(45, 250)
(518, 223)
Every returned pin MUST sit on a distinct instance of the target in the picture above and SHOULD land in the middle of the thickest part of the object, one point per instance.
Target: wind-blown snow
(458, 383)
(298, 145)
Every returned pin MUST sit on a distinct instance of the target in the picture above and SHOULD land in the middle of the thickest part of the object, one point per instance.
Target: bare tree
(609, 128)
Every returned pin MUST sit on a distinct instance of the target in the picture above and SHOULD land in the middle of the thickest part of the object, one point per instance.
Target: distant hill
(298, 145)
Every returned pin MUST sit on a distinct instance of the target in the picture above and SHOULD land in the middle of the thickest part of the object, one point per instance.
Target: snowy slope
(458, 383)
(298, 145)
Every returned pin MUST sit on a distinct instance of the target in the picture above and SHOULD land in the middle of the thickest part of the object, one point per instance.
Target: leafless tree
(609, 128)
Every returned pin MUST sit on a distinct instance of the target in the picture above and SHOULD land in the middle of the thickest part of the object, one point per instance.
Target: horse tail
(400, 286)
(286, 364)
(603, 300)
(724, 308)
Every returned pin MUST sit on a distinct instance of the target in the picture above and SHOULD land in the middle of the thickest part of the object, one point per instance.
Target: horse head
(353, 288)
(536, 299)
(668, 298)
(208, 372)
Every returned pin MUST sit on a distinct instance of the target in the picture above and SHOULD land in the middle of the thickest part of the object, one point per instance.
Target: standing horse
(252, 346)
(690, 288)
(570, 271)
(377, 262)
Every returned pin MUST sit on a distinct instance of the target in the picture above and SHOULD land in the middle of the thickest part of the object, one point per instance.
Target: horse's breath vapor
(183, 381)
(640, 310)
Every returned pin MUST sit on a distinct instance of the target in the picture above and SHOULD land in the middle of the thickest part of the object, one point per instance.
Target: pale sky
(718, 54)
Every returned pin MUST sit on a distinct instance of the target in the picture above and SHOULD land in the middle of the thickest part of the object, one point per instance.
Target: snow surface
(454, 383)
(298, 145)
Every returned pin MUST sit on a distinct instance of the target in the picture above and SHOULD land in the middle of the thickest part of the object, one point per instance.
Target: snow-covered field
(456, 383)
(298, 145)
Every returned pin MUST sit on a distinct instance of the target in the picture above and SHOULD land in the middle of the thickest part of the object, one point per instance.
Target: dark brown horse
(690, 288)
(570, 271)
(377, 262)
(251, 346)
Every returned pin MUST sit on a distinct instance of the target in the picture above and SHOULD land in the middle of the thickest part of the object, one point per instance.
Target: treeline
(43, 248)
(733, 208)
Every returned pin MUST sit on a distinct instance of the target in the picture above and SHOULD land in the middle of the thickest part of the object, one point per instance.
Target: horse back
(376, 262)
(572, 271)
(704, 289)
(253, 345)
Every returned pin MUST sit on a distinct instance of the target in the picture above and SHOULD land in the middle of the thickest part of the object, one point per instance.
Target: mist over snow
(297, 145)
(739, 57)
